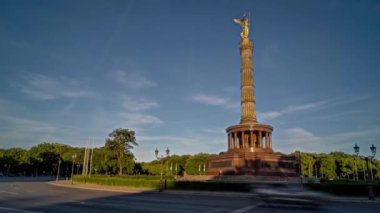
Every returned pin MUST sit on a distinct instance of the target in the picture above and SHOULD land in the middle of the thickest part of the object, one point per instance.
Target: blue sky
(170, 70)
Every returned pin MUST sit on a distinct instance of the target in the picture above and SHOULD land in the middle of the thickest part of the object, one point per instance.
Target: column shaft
(259, 140)
(229, 141)
(251, 139)
(270, 140)
(233, 141)
(242, 140)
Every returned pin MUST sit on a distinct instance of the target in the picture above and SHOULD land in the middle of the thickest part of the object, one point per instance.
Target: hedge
(345, 189)
(152, 182)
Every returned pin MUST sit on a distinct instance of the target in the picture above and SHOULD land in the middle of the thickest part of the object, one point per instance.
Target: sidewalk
(126, 189)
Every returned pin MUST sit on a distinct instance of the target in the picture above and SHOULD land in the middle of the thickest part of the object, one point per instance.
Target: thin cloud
(314, 105)
(22, 132)
(304, 140)
(214, 100)
(291, 109)
(137, 105)
(298, 139)
(28, 125)
(178, 145)
(133, 80)
(214, 131)
(46, 88)
(136, 115)
(140, 119)
(164, 138)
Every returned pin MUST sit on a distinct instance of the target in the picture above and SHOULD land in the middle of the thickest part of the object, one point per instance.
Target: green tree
(326, 166)
(120, 141)
(307, 164)
(177, 163)
(195, 164)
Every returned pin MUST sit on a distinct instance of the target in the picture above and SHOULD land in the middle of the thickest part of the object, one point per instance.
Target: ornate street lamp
(356, 149)
(74, 156)
(160, 159)
(371, 196)
(373, 150)
(167, 155)
(156, 153)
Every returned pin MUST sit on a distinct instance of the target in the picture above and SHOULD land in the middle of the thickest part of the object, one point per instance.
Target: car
(289, 195)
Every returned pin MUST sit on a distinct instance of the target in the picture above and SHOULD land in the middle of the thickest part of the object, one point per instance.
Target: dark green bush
(209, 186)
(119, 181)
(152, 182)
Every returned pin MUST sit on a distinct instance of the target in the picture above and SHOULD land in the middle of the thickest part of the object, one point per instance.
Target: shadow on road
(27, 179)
(42, 197)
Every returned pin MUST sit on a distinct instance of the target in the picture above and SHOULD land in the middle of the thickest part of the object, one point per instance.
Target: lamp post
(74, 156)
(373, 152)
(156, 152)
(356, 149)
(78, 168)
(371, 196)
(59, 165)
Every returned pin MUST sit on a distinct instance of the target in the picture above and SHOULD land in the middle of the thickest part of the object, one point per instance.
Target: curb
(137, 190)
(99, 188)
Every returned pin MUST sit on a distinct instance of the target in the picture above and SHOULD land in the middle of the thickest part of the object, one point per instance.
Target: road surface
(32, 196)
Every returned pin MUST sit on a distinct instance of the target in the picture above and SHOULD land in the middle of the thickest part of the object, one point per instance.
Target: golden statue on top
(244, 23)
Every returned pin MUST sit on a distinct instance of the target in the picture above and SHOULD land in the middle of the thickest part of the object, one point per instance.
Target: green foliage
(116, 158)
(307, 164)
(172, 165)
(337, 165)
(152, 182)
(195, 165)
(120, 142)
(326, 165)
(139, 181)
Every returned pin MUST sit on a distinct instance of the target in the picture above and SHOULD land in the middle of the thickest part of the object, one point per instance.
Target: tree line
(338, 165)
(116, 158)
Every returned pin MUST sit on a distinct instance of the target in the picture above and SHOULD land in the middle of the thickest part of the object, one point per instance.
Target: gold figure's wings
(244, 23)
(238, 21)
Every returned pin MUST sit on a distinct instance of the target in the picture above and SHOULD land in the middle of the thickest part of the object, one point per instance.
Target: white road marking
(85, 203)
(17, 210)
(244, 209)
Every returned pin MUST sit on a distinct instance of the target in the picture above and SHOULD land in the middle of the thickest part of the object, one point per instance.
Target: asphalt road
(31, 196)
